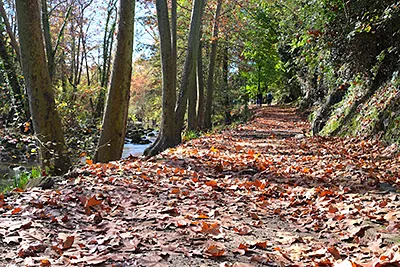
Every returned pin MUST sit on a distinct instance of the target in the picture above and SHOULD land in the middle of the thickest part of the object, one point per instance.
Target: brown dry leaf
(264, 259)
(243, 230)
(241, 264)
(332, 209)
(215, 250)
(335, 253)
(346, 263)
(68, 242)
(91, 202)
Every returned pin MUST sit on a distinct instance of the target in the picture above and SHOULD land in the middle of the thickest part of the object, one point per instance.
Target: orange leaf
(18, 190)
(68, 242)
(45, 263)
(210, 229)
(89, 162)
(243, 246)
(202, 216)
(92, 202)
(175, 191)
(15, 211)
(211, 183)
(383, 204)
(262, 245)
(213, 149)
(332, 209)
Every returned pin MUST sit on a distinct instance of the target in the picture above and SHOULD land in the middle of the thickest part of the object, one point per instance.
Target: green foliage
(190, 135)
(21, 179)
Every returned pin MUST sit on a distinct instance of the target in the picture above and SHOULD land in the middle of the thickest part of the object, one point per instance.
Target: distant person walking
(259, 99)
(269, 98)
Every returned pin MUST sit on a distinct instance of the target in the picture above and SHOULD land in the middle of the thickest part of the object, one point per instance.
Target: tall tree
(108, 40)
(10, 33)
(167, 136)
(173, 115)
(200, 87)
(189, 69)
(10, 69)
(50, 51)
(46, 121)
(113, 131)
(211, 69)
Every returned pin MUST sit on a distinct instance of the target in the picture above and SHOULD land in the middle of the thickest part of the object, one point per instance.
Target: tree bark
(211, 69)
(225, 73)
(115, 118)
(14, 42)
(200, 88)
(47, 38)
(105, 68)
(167, 136)
(189, 70)
(46, 121)
(10, 70)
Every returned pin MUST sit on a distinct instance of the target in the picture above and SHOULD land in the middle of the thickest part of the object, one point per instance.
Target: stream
(7, 168)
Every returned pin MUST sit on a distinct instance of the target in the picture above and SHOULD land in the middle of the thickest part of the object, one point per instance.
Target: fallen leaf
(68, 242)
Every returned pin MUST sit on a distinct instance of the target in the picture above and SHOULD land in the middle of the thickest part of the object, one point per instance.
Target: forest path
(260, 194)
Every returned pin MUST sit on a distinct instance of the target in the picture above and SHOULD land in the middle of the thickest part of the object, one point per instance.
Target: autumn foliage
(259, 194)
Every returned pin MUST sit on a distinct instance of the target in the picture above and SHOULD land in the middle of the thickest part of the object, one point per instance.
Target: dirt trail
(262, 194)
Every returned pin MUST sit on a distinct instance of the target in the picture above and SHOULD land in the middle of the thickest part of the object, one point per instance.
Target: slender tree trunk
(225, 73)
(167, 136)
(211, 69)
(105, 68)
(174, 21)
(46, 121)
(200, 87)
(12, 75)
(10, 32)
(115, 118)
(47, 38)
(192, 101)
(189, 70)
(10, 69)
(73, 55)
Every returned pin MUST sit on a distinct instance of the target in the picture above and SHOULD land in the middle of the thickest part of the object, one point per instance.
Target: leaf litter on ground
(260, 194)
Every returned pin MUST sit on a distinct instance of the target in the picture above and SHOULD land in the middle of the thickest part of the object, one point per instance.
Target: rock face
(325, 110)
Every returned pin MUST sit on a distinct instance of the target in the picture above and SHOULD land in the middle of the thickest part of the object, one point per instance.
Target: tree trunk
(225, 72)
(200, 88)
(47, 38)
(211, 69)
(115, 118)
(167, 136)
(11, 71)
(105, 68)
(46, 121)
(189, 70)
(192, 101)
(174, 47)
(14, 43)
